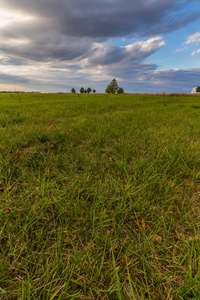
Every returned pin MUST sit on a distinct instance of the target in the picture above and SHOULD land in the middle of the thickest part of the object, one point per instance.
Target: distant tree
(198, 89)
(94, 91)
(120, 90)
(112, 87)
(85, 91)
(89, 90)
(73, 90)
(82, 90)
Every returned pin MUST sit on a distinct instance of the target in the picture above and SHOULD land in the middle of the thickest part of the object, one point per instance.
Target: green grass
(99, 197)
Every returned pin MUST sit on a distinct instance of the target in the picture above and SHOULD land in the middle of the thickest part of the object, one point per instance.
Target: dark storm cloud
(46, 49)
(66, 29)
(108, 18)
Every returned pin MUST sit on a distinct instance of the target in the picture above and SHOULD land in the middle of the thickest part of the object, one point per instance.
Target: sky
(148, 46)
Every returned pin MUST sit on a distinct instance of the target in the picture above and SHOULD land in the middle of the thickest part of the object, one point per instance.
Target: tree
(112, 87)
(89, 90)
(82, 90)
(73, 90)
(120, 90)
(94, 91)
(198, 89)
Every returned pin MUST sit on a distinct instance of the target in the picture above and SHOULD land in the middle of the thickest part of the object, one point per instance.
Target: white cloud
(194, 38)
(195, 52)
(141, 48)
(180, 50)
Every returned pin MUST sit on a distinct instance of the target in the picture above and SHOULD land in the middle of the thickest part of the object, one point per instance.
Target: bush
(120, 90)
(198, 89)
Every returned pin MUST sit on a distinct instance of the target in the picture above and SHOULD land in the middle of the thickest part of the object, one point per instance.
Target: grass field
(99, 197)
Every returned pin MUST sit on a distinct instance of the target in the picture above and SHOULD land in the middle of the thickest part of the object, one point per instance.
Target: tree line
(82, 90)
(112, 88)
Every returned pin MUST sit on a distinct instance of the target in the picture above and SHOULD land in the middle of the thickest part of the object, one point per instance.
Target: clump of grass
(196, 106)
(3, 122)
(43, 138)
(18, 118)
(99, 198)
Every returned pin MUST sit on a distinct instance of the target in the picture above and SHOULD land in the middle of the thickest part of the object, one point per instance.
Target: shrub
(120, 90)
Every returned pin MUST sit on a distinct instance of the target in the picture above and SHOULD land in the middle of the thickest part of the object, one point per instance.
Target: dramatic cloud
(105, 54)
(65, 29)
(59, 43)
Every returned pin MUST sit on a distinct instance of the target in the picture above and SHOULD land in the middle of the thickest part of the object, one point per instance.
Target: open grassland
(99, 197)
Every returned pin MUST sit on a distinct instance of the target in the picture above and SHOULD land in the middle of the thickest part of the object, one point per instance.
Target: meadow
(99, 196)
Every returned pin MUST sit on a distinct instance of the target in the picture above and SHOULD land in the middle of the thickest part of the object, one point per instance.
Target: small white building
(194, 90)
